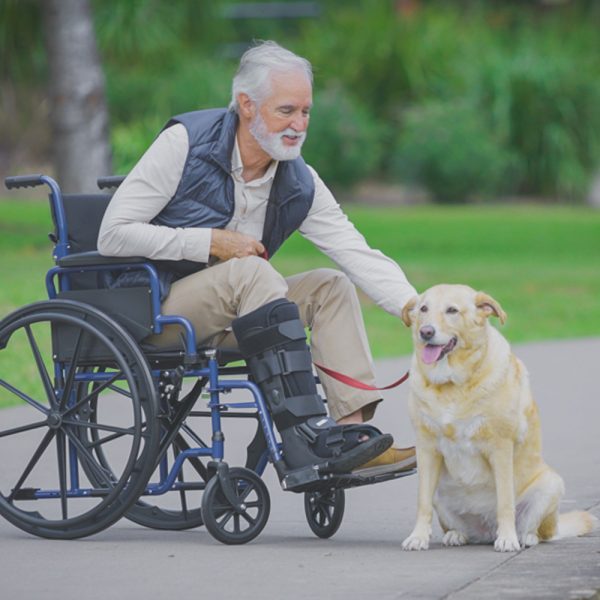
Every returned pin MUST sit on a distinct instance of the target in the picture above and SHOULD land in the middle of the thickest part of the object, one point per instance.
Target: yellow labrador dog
(478, 431)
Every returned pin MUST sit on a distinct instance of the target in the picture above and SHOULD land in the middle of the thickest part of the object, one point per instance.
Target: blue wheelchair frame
(324, 491)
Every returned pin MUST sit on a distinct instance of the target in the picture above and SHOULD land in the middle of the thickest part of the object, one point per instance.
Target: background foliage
(469, 99)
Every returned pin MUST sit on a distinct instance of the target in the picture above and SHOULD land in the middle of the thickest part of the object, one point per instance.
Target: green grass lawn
(541, 263)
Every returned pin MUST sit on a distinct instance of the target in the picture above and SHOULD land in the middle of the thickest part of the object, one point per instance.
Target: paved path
(364, 559)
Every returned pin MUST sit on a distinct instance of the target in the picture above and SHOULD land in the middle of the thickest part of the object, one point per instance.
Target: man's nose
(300, 123)
(427, 332)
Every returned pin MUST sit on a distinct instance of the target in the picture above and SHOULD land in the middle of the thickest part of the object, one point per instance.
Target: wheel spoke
(116, 388)
(50, 393)
(62, 471)
(23, 428)
(32, 462)
(243, 493)
(83, 452)
(24, 396)
(68, 386)
(236, 523)
(181, 479)
(95, 391)
(89, 425)
(226, 516)
(319, 517)
(248, 518)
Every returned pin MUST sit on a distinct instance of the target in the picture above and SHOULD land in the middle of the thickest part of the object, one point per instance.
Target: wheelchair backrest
(84, 214)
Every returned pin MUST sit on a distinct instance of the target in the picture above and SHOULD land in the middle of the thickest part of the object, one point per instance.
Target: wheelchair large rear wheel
(48, 352)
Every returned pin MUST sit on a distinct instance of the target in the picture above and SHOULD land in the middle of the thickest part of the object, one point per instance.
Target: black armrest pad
(85, 259)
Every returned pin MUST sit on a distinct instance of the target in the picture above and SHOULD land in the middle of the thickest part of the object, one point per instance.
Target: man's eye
(452, 310)
(424, 308)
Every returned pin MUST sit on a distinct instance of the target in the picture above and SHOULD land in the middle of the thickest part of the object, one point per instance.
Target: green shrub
(531, 77)
(545, 106)
(344, 141)
(448, 149)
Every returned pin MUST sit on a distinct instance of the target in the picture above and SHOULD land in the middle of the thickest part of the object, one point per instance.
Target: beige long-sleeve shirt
(126, 229)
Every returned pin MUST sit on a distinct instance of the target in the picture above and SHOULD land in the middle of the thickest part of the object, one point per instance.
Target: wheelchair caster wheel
(242, 522)
(324, 511)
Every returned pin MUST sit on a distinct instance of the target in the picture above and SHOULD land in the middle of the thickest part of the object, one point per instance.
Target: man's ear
(247, 105)
(488, 306)
(407, 310)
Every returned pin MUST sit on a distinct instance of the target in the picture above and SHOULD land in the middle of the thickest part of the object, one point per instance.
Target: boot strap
(269, 337)
(287, 411)
(280, 362)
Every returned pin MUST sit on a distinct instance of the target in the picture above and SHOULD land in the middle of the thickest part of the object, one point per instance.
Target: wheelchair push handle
(21, 181)
(112, 181)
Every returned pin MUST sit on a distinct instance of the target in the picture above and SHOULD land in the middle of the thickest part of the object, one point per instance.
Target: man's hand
(232, 244)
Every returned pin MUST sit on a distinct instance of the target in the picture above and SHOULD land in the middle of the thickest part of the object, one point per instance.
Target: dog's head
(448, 322)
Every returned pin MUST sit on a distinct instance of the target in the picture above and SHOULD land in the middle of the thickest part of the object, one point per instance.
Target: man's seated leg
(329, 305)
(272, 340)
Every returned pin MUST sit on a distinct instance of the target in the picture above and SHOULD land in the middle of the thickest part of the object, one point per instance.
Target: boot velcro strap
(280, 362)
(297, 408)
(271, 337)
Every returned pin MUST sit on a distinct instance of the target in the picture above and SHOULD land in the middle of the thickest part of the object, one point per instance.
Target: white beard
(272, 143)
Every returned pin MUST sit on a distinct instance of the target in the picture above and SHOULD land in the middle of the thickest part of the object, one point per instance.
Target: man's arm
(375, 274)
(126, 229)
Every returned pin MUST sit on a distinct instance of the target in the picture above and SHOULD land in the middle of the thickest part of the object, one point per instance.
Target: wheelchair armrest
(94, 258)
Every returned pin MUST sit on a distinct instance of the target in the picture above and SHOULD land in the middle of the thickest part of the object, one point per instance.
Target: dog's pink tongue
(431, 353)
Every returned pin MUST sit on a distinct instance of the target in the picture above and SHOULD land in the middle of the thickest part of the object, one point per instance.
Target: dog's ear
(489, 306)
(408, 308)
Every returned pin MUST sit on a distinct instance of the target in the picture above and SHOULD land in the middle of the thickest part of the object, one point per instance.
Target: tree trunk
(79, 115)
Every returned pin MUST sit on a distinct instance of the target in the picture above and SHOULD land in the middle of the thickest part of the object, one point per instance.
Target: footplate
(310, 479)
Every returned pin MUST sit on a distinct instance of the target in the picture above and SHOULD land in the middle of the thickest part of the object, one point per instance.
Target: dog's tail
(572, 524)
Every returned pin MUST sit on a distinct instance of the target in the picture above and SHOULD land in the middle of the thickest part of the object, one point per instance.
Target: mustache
(289, 132)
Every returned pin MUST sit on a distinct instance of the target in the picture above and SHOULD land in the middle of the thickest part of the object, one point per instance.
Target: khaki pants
(328, 305)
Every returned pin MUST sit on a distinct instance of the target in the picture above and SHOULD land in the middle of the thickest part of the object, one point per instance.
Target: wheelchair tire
(44, 489)
(324, 511)
(223, 521)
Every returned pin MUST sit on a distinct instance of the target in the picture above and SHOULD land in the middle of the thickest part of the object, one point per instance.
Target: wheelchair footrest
(357, 480)
(300, 479)
(309, 479)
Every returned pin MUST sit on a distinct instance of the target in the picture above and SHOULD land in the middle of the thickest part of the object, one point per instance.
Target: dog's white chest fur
(463, 459)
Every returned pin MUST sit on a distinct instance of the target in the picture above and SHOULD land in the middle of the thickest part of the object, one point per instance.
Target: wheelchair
(108, 427)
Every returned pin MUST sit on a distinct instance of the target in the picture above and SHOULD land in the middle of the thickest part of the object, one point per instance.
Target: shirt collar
(237, 167)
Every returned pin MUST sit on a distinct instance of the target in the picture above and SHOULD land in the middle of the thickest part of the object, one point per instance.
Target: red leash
(359, 384)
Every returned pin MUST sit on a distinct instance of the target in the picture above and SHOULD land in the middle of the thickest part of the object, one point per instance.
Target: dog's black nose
(427, 332)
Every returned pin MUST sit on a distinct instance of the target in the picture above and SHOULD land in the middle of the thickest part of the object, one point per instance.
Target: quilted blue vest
(205, 194)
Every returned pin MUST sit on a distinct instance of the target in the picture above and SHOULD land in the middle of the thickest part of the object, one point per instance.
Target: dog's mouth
(432, 353)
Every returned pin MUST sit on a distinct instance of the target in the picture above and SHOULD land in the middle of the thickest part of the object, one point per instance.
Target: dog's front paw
(415, 542)
(531, 539)
(507, 544)
(454, 538)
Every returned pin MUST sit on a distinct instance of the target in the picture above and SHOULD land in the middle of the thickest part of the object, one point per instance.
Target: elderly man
(216, 194)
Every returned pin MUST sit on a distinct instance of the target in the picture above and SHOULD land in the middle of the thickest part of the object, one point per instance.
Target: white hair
(256, 66)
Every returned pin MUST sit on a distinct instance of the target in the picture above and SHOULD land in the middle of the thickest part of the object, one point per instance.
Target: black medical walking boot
(273, 342)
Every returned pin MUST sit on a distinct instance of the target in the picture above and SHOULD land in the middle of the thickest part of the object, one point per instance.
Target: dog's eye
(451, 310)
(424, 308)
